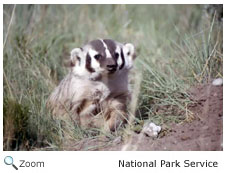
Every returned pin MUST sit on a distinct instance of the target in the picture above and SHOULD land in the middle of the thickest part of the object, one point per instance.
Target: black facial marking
(123, 60)
(88, 64)
(116, 55)
(98, 57)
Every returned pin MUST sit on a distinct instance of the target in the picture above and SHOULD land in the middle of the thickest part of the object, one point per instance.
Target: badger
(95, 92)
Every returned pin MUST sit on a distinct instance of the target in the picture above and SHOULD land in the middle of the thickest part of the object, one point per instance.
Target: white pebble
(151, 129)
(217, 82)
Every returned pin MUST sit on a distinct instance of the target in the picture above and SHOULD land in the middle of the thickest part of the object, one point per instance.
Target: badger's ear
(76, 55)
(130, 50)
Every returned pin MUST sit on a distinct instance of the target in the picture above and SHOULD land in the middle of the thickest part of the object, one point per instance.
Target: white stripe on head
(108, 54)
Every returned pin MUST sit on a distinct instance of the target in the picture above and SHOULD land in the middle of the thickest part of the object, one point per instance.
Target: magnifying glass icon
(9, 161)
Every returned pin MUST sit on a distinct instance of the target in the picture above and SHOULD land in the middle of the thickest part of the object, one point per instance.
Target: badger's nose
(112, 68)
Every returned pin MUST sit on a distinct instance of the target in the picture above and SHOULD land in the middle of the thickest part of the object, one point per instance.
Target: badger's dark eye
(116, 55)
(98, 56)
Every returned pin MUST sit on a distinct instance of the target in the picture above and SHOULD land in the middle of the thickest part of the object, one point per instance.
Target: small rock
(217, 82)
(151, 129)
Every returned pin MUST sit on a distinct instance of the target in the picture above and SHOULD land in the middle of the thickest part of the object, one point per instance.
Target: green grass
(177, 48)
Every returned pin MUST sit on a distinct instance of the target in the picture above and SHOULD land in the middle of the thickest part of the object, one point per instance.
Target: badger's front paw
(100, 94)
(97, 95)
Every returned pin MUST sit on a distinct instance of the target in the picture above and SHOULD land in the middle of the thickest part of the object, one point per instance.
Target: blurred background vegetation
(178, 46)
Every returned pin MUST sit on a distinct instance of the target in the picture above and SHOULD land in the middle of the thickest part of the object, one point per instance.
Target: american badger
(95, 92)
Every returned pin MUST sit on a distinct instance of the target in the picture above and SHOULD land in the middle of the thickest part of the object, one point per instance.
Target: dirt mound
(205, 132)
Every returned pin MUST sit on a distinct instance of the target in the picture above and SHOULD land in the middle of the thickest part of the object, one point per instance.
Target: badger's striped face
(103, 56)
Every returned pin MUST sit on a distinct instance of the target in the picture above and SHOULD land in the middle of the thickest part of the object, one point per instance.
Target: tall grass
(177, 47)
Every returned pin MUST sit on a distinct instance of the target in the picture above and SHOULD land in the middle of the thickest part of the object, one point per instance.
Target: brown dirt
(203, 133)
